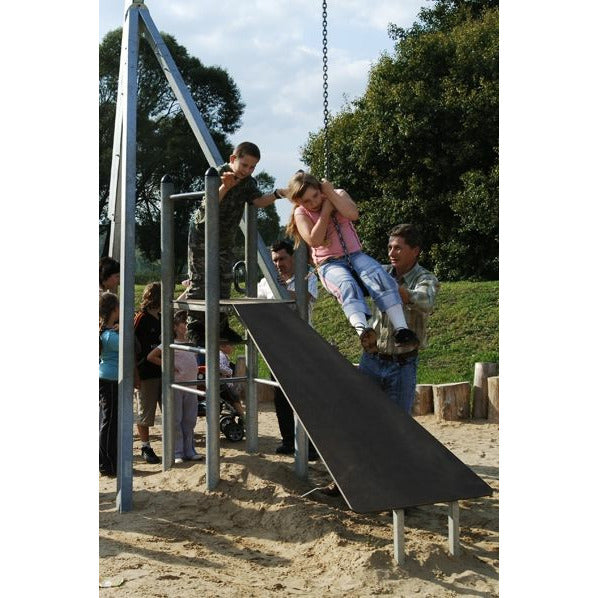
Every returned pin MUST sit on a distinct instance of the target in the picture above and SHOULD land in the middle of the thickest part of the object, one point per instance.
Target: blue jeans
(337, 279)
(395, 379)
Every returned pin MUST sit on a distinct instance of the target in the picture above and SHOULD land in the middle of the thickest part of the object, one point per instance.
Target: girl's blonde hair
(299, 183)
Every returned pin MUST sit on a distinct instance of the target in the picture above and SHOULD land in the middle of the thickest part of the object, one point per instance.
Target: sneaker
(147, 452)
(178, 460)
(369, 341)
(285, 449)
(331, 490)
(194, 457)
(404, 337)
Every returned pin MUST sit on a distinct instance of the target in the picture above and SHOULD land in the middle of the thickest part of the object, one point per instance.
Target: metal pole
(453, 528)
(167, 290)
(126, 360)
(212, 306)
(251, 423)
(398, 527)
(301, 298)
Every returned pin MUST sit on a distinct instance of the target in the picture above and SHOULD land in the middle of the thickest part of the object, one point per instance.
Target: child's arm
(341, 200)
(314, 234)
(266, 200)
(225, 368)
(155, 356)
(229, 180)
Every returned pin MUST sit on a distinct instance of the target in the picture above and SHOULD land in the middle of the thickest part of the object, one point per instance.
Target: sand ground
(256, 537)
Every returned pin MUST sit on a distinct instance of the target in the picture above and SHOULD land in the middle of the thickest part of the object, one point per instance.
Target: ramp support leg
(398, 525)
(301, 449)
(453, 528)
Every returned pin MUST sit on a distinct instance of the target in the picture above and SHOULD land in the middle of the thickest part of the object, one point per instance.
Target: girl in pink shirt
(323, 217)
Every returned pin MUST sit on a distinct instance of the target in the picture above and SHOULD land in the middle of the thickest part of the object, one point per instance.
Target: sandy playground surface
(256, 537)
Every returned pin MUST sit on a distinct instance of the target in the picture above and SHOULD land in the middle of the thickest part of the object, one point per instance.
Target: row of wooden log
(455, 401)
(449, 402)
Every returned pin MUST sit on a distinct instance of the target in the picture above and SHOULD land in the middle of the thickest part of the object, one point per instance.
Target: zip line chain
(325, 81)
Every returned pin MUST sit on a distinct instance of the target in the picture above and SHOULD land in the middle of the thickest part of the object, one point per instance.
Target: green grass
(462, 330)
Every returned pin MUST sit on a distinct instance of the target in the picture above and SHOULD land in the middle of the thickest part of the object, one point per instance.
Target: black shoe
(369, 341)
(285, 449)
(404, 337)
(331, 490)
(147, 452)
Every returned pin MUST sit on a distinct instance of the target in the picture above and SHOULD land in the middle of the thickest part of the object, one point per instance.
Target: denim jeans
(337, 279)
(395, 379)
(185, 417)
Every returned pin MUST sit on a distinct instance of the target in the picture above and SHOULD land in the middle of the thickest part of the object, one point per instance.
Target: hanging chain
(325, 82)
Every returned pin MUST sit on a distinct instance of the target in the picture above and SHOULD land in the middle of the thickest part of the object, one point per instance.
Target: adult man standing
(395, 368)
(282, 256)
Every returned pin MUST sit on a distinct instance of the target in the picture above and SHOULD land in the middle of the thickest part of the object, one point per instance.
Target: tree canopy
(421, 145)
(165, 142)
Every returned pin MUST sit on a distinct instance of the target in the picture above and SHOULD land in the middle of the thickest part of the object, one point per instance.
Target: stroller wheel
(234, 431)
(201, 408)
(226, 420)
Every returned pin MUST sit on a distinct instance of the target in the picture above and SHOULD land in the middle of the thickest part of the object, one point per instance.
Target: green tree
(421, 145)
(165, 142)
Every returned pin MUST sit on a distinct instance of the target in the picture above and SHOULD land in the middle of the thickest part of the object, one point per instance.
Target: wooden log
(424, 400)
(451, 401)
(493, 399)
(482, 371)
(265, 392)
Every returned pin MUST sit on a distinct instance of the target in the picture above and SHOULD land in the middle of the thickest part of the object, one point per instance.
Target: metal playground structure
(333, 415)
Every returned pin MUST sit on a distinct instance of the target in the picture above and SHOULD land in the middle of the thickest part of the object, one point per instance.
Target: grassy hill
(462, 330)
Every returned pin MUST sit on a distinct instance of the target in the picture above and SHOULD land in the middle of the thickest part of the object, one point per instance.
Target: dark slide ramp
(379, 456)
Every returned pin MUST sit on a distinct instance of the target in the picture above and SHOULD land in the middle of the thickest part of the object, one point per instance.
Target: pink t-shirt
(185, 362)
(332, 246)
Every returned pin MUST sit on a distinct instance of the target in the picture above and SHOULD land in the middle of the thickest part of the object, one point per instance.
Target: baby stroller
(231, 421)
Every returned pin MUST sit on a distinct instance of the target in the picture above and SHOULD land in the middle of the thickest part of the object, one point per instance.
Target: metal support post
(453, 528)
(126, 359)
(212, 306)
(302, 300)
(251, 419)
(398, 529)
(167, 289)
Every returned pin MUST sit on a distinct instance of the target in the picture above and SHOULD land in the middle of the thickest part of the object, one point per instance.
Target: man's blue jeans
(395, 379)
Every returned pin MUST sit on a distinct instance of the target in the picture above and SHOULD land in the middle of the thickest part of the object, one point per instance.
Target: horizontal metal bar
(222, 381)
(194, 391)
(191, 195)
(266, 382)
(190, 348)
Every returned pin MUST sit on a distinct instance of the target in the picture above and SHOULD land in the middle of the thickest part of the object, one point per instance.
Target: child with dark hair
(108, 371)
(109, 275)
(237, 188)
(184, 403)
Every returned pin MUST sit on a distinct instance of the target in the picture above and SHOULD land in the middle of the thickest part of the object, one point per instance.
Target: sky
(273, 51)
